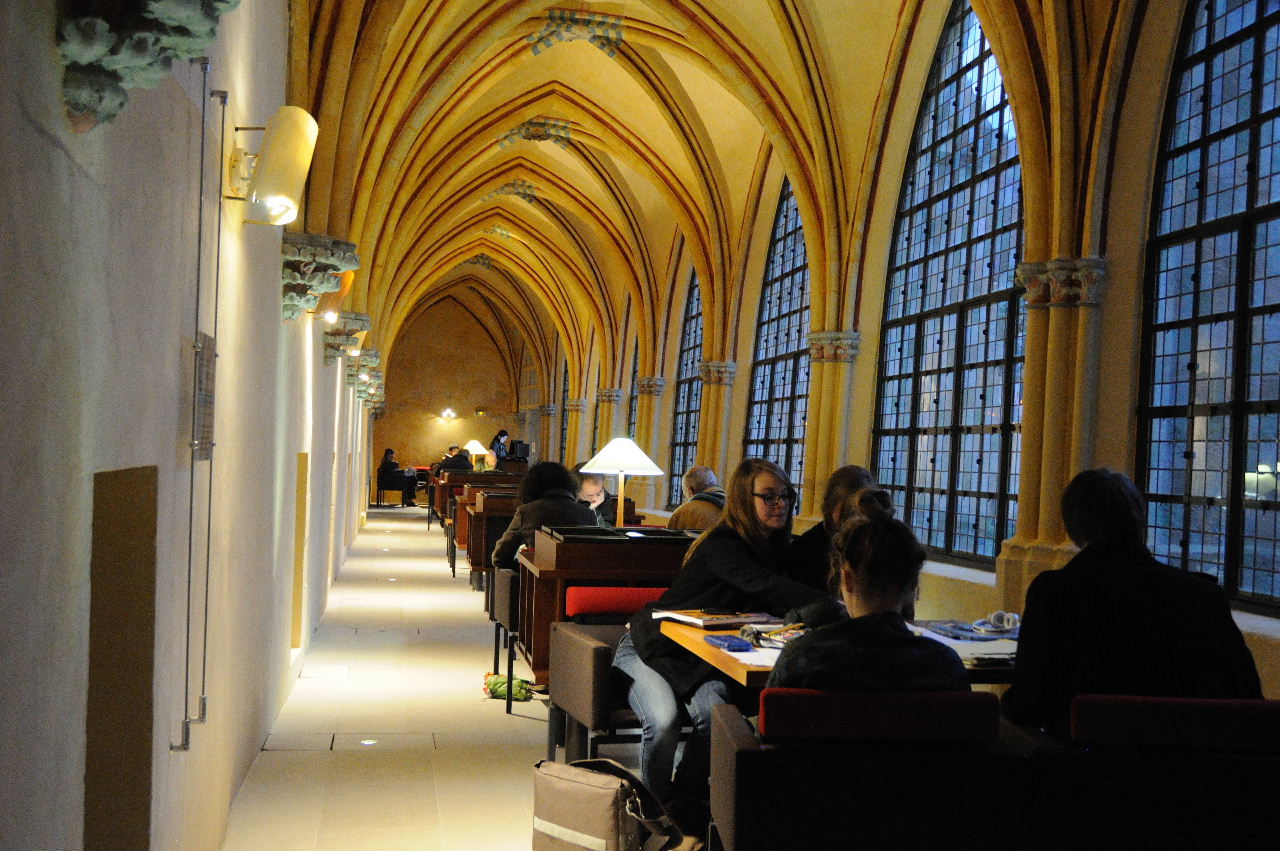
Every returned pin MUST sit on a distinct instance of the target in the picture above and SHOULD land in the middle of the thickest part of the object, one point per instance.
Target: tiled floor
(387, 740)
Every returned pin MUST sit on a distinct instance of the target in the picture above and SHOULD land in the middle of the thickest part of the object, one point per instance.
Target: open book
(707, 620)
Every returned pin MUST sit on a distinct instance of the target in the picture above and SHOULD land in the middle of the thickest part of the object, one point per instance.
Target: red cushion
(1183, 723)
(942, 716)
(596, 600)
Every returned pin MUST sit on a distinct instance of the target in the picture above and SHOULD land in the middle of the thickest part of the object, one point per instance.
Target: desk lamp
(621, 457)
(479, 454)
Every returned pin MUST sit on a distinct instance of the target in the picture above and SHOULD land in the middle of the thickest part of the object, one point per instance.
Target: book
(708, 620)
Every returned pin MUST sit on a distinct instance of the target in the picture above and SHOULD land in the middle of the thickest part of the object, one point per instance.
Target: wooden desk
(555, 565)
(691, 638)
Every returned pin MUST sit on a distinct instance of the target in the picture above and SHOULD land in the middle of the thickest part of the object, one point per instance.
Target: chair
(875, 770)
(588, 700)
(1159, 772)
(506, 620)
(391, 480)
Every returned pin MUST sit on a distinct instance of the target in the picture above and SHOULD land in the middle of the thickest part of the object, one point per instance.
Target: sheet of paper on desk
(765, 657)
(972, 649)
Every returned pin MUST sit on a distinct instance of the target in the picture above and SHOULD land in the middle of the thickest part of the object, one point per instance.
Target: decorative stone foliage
(1063, 282)
(343, 334)
(312, 263)
(604, 31)
(838, 346)
(575, 406)
(717, 371)
(1033, 278)
(107, 49)
(608, 396)
(650, 385)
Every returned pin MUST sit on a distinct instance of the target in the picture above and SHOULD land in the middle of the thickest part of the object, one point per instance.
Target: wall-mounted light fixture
(448, 413)
(272, 179)
(480, 412)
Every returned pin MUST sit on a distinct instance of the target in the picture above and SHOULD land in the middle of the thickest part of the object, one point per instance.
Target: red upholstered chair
(588, 702)
(854, 770)
(1160, 772)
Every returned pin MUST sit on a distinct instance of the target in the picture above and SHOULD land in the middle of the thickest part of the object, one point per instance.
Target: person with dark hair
(391, 477)
(460, 461)
(813, 561)
(498, 446)
(1116, 621)
(703, 500)
(873, 650)
(546, 499)
(736, 565)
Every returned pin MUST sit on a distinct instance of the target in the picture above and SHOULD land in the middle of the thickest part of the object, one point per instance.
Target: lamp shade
(280, 173)
(475, 447)
(622, 456)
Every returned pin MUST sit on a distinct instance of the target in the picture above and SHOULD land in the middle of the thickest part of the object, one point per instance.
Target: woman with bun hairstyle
(873, 650)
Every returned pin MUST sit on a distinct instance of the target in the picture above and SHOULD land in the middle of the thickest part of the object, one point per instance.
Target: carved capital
(575, 406)
(346, 334)
(651, 385)
(608, 395)
(310, 266)
(717, 371)
(1034, 279)
(839, 346)
(548, 410)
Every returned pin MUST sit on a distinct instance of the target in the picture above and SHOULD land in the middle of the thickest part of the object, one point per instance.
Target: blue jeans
(659, 711)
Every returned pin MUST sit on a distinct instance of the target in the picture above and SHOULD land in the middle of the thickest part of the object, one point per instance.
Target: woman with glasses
(736, 565)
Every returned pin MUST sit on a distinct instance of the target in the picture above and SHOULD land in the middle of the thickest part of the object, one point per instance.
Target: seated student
(460, 461)
(813, 561)
(873, 650)
(546, 499)
(1116, 621)
(703, 500)
(592, 494)
(734, 565)
(498, 446)
(391, 477)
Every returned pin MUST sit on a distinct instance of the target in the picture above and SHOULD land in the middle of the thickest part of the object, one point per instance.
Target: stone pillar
(1059, 398)
(827, 423)
(579, 430)
(645, 490)
(713, 418)
(547, 435)
(607, 426)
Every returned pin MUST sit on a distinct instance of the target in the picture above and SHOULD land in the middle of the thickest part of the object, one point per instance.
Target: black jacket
(724, 572)
(553, 508)
(1116, 621)
(871, 653)
(455, 462)
(810, 561)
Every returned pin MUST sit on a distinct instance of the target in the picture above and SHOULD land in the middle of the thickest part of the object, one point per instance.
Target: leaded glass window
(950, 391)
(688, 407)
(633, 399)
(564, 417)
(1209, 427)
(780, 368)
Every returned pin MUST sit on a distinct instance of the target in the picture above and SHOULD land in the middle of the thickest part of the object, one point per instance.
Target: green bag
(495, 685)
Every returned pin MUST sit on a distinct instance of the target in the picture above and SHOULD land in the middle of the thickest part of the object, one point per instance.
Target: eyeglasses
(774, 498)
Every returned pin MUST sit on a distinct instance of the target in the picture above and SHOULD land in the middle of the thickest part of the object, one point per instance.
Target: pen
(784, 628)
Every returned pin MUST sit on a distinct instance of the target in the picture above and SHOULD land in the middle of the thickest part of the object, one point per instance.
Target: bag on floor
(495, 685)
(597, 804)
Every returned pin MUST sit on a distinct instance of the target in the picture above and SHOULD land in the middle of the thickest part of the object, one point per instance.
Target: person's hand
(592, 495)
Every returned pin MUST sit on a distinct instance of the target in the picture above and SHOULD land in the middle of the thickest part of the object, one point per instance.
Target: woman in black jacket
(546, 499)
(737, 565)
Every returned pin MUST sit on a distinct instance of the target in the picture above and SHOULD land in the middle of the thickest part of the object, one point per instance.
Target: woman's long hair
(740, 507)
(838, 502)
(542, 477)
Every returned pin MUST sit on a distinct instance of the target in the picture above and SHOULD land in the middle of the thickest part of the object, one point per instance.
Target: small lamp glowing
(621, 457)
(331, 316)
(272, 180)
(447, 414)
(478, 453)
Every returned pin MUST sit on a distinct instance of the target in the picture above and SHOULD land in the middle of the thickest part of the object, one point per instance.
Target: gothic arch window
(1209, 426)
(950, 389)
(684, 428)
(564, 416)
(780, 368)
(633, 399)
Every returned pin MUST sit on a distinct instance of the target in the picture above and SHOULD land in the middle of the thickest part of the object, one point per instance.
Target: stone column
(547, 434)
(606, 428)
(713, 418)
(827, 422)
(1059, 397)
(579, 432)
(645, 490)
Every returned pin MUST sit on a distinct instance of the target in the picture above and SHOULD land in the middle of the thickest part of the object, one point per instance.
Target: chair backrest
(943, 716)
(607, 600)
(1177, 723)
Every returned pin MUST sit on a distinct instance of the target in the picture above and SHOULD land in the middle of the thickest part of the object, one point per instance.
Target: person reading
(1115, 620)
(873, 650)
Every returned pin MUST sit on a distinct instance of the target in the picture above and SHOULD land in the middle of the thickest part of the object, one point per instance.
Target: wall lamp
(272, 180)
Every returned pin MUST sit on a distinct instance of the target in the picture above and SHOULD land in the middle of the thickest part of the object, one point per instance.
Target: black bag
(599, 805)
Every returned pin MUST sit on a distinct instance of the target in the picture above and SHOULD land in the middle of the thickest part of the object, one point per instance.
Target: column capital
(548, 410)
(1077, 281)
(840, 346)
(575, 406)
(650, 385)
(1034, 279)
(717, 371)
(608, 395)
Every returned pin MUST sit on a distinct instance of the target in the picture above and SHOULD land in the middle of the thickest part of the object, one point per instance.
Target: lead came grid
(779, 400)
(950, 390)
(1211, 377)
(688, 410)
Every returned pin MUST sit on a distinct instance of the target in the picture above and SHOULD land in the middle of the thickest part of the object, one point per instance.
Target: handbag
(597, 804)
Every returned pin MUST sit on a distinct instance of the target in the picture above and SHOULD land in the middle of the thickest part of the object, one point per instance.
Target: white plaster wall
(98, 235)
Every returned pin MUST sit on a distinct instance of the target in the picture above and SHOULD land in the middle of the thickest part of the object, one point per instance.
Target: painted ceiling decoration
(538, 130)
(604, 31)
